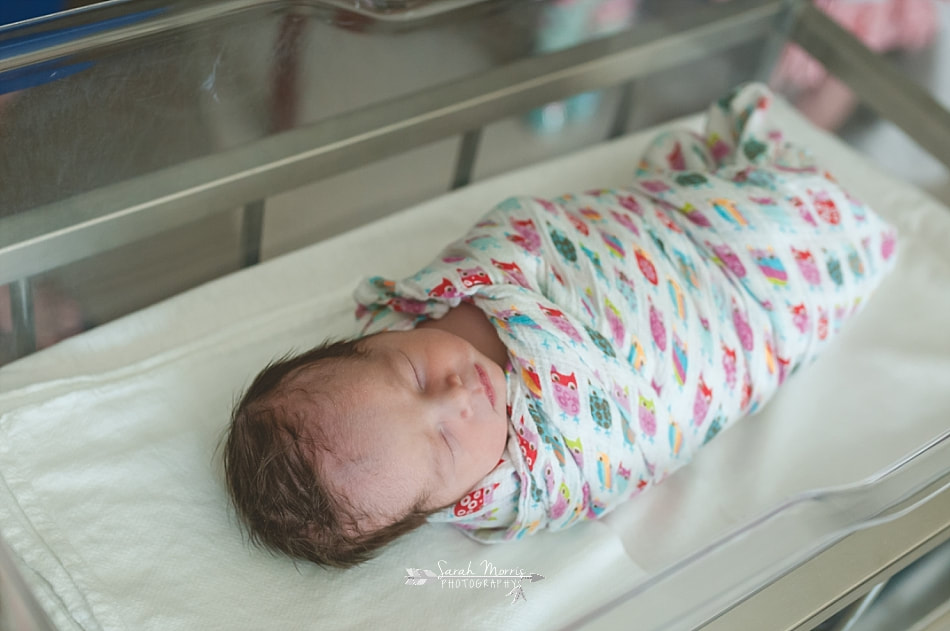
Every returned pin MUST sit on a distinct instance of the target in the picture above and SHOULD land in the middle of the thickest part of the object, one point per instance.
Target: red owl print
(826, 207)
(665, 219)
(474, 501)
(578, 224)
(528, 442)
(445, 289)
(406, 305)
(646, 266)
(675, 158)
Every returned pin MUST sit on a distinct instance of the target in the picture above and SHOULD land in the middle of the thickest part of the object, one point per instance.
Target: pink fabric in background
(882, 25)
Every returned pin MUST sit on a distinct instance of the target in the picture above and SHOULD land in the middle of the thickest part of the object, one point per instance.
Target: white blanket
(111, 498)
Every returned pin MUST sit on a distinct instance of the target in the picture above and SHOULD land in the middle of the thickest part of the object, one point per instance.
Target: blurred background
(91, 124)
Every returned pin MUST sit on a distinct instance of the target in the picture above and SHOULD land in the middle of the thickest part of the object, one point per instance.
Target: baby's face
(423, 417)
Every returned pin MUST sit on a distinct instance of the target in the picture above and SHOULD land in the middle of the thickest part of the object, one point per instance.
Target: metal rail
(876, 81)
(47, 237)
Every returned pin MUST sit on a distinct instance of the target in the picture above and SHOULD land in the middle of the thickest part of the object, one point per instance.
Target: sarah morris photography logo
(486, 575)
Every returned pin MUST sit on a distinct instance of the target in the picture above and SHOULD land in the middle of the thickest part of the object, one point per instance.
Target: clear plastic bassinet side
(777, 542)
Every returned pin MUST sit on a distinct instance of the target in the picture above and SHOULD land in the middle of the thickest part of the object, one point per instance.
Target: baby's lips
(486, 385)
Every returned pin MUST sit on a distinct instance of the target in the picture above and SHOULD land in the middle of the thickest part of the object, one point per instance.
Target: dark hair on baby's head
(273, 478)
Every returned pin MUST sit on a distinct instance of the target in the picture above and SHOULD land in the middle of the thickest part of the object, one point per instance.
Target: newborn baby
(564, 355)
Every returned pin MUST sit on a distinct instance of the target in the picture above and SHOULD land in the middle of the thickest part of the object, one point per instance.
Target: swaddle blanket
(641, 322)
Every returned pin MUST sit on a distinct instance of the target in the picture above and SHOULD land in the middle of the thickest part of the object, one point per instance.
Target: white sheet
(112, 499)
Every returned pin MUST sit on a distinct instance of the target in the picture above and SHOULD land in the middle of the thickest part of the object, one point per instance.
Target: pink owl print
(695, 216)
(799, 317)
(729, 365)
(888, 243)
(657, 328)
(560, 321)
(718, 148)
(702, 402)
(630, 203)
(512, 271)
(654, 186)
(546, 205)
(565, 392)
(743, 330)
(727, 258)
(803, 211)
(473, 276)
(621, 397)
(625, 221)
(549, 481)
(646, 414)
(561, 502)
(527, 235)
(807, 265)
(615, 322)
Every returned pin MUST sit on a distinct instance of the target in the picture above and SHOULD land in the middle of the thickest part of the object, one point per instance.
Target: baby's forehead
(335, 403)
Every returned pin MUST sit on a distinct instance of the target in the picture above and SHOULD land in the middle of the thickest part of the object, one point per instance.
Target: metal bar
(49, 236)
(252, 233)
(776, 42)
(24, 323)
(619, 125)
(468, 152)
(144, 18)
(875, 80)
(827, 583)
(857, 609)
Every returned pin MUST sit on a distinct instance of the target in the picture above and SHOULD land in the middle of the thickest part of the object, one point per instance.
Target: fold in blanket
(641, 322)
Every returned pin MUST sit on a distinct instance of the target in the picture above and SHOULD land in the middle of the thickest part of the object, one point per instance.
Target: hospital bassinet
(112, 510)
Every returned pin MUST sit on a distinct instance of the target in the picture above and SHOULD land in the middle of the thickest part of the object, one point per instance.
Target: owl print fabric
(640, 322)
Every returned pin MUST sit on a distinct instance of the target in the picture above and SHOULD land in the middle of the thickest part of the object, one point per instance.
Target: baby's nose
(457, 398)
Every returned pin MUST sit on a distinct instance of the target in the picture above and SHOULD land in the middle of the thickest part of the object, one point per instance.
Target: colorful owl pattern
(641, 322)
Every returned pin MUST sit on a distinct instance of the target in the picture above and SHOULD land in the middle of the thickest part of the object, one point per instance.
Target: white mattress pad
(112, 498)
